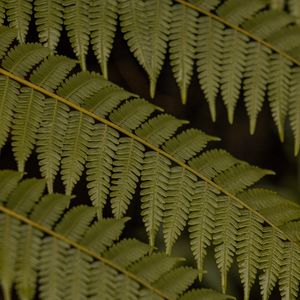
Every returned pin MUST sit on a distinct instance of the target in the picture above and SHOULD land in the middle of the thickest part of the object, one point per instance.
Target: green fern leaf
(271, 260)
(76, 15)
(213, 162)
(182, 45)
(227, 219)
(103, 27)
(159, 15)
(127, 288)
(237, 178)
(8, 182)
(201, 222)
(179, 194)
(132, 19)
(207, 4)
(236, 11)
(265, 23)
(154, 178)
(159, 129)
(18, 15)
(104, 101)
(234, 56)
(279, 90)
(132, 113)
(126, 252)
(249, 246)
(49, 19)
(7, 35)
(126, 172)
(188, 143)
(209, 57)
(294, 110)
(289, 275)
(256, 77)
(294, 9)
(292, 229)
(75, 148)
(100, 155)
(204, 294)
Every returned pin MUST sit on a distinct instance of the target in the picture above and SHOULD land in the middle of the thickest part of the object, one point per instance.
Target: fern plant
(83, 126)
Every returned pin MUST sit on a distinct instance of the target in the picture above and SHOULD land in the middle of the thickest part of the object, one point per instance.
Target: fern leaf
(127, 288)
(75, 148)
(267, 22)
(126, 172)
(52, 274)
(159, 15)
(102, 234)
(153, 267)
(237, 178)
(249, 244)
(182, 45)
(179, 194)
(49, 19)
(103, 27)
(256, 77)
(100, 155)
(294, 109)
(8, 182)
(103, 102)
(132, 19)
(159, 129)
(227, 219)
(209, 57)
(234, 56)
(9, 236)
(75, 222)
(236, 11)
(279, 90)
(22, 58)
(28, 116)
(81, 86)
(7, 35)
(201, 222)
(50, 139)
(76, 15)
(207, 4)
(213, 162)
(126, 252)
(132, 113)
(289, 275)
(271, 260)
(102, 282)
(185, 145)
(154, 178)
(206, 294)
(18, 15)
(77, 275)
(294, 9)
(176, 281)
(292, 229)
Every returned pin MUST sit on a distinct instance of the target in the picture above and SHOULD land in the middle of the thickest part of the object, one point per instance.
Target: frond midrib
(241, 30)
(83, 249)
(145, 143)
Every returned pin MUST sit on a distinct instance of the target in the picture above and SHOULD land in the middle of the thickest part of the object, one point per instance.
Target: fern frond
(129, 288)
(19, 15)
(100, 155)
(209, 54)
(159, 129)
(292, 229)
(201, 222)
(207, 4)
(182, 45)
(206, 294)
(279, 90)
(126, 172)
(103, 15)
(76, 19)
(234, 57)
(7, 35)
(154, 185)
(8, 182)
(236, 11)
(75, 148)
(188, 143)
(49, 19)
(132, 113)
(255, 83)
(181, 189)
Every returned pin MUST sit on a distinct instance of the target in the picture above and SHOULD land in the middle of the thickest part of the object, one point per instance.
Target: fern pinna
(238, 48)
(79, 123)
